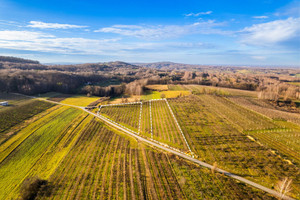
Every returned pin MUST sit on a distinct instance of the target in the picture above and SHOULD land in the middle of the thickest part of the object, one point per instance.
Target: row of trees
(136, 87)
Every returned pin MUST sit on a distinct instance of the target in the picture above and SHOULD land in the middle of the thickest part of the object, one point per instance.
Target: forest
(120, 78)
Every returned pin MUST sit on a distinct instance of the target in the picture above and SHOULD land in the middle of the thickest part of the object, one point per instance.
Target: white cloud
(164, 31)
(260, 17)
(22, 35)
(40, 42)
(198, 14)
(279, 32)
(43, 25)
(37, 41)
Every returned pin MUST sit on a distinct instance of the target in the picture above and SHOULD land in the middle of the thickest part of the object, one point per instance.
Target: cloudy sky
(248, 32)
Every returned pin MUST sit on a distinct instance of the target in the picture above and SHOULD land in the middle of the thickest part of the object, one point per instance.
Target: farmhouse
(4, 103)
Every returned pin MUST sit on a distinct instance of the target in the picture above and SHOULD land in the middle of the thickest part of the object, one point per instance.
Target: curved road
(268, 190)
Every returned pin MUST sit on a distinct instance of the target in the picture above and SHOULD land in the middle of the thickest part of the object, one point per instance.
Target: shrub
(31, 187)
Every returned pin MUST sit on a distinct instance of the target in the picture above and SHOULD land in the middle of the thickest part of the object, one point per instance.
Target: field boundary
(134, 132)
(151, 120)
(178, 126)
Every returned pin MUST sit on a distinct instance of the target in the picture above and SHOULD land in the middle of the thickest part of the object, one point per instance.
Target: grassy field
(168, 94)
(215, 130)
(266, 109)
(220, 90)
(127, 115)
(22, 154)
(19, 112)
(81, 158)
(59, 97)
(157, 87)
(79, 100)
(13, 100)
(164, 127)
(106, 165)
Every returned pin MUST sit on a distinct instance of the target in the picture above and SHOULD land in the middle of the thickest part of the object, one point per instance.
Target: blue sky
(232, 32)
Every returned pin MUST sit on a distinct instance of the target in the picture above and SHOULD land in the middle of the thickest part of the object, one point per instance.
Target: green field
(219, 91)
(17, 113)
(81, 158)
(79, 100)
(13, 100)
(22, 154)
(127, 115)
(105, 165)
(168, 94)
(215, 128)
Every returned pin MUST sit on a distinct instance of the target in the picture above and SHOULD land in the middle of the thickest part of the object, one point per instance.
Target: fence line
(178, 125)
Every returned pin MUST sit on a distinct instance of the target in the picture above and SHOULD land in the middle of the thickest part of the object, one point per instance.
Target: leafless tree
(284, 187)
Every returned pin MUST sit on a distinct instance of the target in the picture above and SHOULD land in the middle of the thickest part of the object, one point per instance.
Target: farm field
(157, 87)
(168, 94)
(13, 100)
(215, 127)
(127, 115)
(164, 127)
(106, 165)
(158, 124)
(266, 109)
(19, 112)
(220, 90)
(79, 100)
(80, 157)
(59, 97)
(29, 150)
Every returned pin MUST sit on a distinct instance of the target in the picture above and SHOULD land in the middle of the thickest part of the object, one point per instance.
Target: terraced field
(214, 128)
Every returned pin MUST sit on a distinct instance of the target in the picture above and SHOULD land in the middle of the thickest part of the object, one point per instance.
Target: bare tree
(284, 187)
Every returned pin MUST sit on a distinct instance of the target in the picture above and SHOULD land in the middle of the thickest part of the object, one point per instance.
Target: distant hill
(170, 65)
(17, 60)
(7, 62)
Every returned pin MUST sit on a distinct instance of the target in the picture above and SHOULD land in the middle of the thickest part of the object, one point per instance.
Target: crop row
(18, 113)
(200, 183)
(286, 143)
(153, 120)
(267, 110)
(105, 165)
(242, 118)
(21, 157)
(215, 139)
(127, 115)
